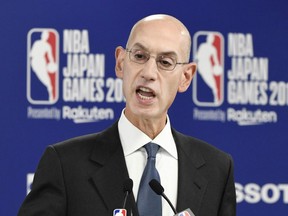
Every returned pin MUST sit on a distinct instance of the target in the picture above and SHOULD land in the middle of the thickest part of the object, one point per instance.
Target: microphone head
(128, 185)
(156, 187)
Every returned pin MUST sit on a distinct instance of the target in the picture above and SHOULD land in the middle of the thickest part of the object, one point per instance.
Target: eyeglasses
(164, 62)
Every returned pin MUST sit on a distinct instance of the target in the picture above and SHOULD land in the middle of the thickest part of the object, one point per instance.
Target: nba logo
(42, 66)
(120, 212)
(208, 84)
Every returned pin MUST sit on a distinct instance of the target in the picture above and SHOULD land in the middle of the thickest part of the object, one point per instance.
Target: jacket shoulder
(86, 143)
(195, 146)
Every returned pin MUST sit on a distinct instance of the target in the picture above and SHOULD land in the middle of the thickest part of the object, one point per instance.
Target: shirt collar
(133, 139)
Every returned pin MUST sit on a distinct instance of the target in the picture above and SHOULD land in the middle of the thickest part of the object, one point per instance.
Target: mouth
(145, 93)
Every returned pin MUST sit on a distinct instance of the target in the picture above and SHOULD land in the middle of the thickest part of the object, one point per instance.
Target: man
(85, 175)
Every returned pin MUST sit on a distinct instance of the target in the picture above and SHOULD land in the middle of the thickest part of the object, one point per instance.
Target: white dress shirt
(133, 140)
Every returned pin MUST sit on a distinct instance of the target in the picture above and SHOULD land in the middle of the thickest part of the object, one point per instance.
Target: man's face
(150, 91)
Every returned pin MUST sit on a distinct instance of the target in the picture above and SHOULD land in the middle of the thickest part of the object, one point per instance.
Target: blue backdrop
(246, 115)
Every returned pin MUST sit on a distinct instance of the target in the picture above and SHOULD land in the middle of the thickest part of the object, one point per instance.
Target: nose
(150, 69)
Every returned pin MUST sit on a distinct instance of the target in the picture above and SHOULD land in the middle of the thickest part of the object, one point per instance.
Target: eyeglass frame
(156, 57)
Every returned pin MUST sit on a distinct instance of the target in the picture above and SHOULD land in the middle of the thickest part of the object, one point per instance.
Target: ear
(187, 77)
(119, 57)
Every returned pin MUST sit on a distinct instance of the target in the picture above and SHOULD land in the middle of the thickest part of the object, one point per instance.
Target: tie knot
(152, 149)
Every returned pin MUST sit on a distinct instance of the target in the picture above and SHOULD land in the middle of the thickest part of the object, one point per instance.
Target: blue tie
(148, 202)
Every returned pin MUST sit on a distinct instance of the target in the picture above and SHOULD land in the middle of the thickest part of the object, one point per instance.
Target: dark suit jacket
(84, 177)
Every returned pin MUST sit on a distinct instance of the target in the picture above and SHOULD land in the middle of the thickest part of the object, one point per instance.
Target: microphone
(158, 189)
(127, 188)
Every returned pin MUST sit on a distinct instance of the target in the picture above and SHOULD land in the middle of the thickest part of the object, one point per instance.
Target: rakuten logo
(268, 193)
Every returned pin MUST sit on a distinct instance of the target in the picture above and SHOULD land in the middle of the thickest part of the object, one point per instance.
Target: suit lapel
(191, 184)
(112, 172)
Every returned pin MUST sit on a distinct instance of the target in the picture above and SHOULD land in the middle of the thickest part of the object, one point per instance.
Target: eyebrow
(169, 53)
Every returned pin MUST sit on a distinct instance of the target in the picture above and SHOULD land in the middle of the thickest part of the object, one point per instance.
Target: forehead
(158, 36)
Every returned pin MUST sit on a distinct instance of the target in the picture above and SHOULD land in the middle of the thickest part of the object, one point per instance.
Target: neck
(150, 126)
